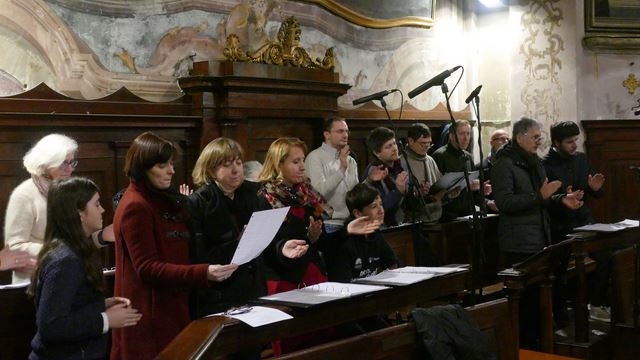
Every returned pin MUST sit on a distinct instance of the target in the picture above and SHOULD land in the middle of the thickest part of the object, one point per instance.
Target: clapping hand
(596, 181)
(401, 181)
(294, 249)
(549, 188)
(378, 173)
(185, 190)
(315, 229)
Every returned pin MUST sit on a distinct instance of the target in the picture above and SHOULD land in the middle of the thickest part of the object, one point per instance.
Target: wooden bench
(402, 341)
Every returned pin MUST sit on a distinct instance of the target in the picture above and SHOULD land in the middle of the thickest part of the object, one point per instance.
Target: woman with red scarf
(284, 184)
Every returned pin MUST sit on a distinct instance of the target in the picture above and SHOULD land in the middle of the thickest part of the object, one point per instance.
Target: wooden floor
(534, 355)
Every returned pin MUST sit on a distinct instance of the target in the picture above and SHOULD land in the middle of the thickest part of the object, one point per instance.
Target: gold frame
(362, 20)
(615, 35)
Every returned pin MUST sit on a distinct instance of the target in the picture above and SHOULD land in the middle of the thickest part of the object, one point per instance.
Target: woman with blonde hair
(283, 183)
(219, 210)
(51, 158)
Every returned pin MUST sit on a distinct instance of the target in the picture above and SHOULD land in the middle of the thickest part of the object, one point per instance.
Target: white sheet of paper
(390, 277)
(260, 230)
(15, 286)
(260, 315)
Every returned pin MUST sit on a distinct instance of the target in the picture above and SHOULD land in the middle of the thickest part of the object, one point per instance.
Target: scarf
(279, 195)
(42, 184)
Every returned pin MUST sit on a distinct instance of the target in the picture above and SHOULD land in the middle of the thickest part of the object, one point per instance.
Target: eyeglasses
(69, 164)
(537, 138)
(501, 138)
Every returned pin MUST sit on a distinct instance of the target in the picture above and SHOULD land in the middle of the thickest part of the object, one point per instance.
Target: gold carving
(285, 51)
(631, 84)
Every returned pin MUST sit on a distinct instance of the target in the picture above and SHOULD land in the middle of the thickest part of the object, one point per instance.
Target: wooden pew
(202, 339)
(402, 341)
(17, 323)
(625, 326)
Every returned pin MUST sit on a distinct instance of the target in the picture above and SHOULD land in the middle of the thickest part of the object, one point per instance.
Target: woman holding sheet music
(152, 252)
(219, 210)
(285, 184)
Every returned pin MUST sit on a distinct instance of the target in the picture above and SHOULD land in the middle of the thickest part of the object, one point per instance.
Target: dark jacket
(68, 310)
(524, 220)
(216, 224)
(451, 159)
(391, 197)
(573, 171)
(295, 225)
(357, 256)
(449, 333)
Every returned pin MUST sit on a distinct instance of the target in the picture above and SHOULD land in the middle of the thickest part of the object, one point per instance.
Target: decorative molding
(541, 48)
(631, 84)
(613, 43)
(283, 52)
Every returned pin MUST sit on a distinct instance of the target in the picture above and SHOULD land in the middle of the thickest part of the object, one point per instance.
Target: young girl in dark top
(72, 315)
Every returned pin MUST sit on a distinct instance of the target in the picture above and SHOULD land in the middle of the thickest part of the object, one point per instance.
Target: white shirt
(322, 166)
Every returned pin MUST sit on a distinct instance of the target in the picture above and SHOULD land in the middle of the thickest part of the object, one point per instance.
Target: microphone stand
(475, 224)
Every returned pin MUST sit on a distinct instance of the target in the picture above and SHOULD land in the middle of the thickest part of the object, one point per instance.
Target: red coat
(152, 270)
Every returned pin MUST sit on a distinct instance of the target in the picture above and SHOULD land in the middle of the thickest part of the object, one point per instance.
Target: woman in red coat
(152, 255)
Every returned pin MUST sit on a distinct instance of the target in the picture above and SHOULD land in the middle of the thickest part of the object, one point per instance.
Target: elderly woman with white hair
(51, 158)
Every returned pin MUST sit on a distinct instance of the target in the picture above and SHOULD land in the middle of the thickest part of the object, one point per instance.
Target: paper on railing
(259, 315)
(390, 277)
(261, 229)
(321, 293)
(14, 286)
(628, 223)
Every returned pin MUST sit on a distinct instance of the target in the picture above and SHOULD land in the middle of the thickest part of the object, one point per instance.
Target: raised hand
(571, 201)
(487, 188)
(363, 226)
(549, 188)
(220, 272)
(185, 190)
(315, 229)
(596, 181)
(120, 315)
(401, 181)
(294, 248)
(378, 173)
(343, 155)
(475, 185)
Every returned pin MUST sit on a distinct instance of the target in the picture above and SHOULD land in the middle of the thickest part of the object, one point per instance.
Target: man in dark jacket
(565, 163)
(522, 193)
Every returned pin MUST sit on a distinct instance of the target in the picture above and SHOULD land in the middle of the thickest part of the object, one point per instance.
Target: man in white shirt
(332, 171)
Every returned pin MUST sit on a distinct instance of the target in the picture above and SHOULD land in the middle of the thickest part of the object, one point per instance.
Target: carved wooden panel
(613, 146)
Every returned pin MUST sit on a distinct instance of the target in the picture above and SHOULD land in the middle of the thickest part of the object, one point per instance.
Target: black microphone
(434, 81)
(473, 94)
(377, 96)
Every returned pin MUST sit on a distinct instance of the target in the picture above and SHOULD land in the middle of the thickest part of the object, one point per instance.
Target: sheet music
(452, 180)
(608, 227)
(259, 316)
(261, 229)
(407, 275)
(322, 293)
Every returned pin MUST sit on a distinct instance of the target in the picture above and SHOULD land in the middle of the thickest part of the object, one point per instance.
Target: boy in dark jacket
(357, 256)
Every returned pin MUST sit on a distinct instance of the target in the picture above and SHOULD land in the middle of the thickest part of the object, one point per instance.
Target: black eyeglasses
(69, 163)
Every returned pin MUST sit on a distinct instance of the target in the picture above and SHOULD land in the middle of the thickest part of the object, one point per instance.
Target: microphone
(437, 80)
(473, 94)
(377, 96)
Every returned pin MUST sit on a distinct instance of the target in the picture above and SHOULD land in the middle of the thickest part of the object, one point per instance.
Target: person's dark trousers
(599, 284)
(529, 307)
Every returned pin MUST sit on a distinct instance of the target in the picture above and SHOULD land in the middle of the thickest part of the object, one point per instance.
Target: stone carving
(285, 51)
(541, 48)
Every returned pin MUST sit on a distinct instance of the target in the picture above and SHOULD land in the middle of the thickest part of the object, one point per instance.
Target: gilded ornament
(631, 84)
(285, 51)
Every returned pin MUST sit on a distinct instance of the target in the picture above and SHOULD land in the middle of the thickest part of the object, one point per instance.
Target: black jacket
(451, 159)
(357, 256)
(573, 171)
(449, 333)
(524, 220)
(216, 223)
